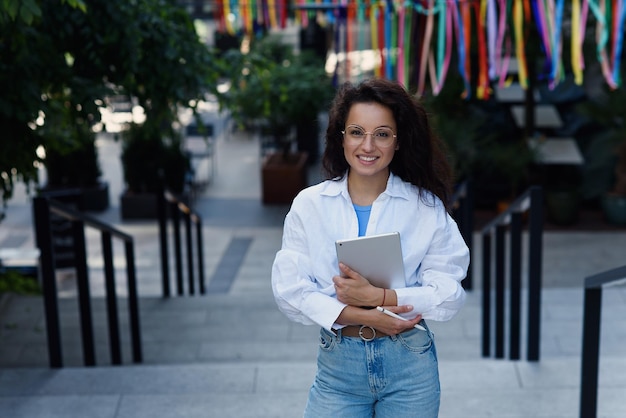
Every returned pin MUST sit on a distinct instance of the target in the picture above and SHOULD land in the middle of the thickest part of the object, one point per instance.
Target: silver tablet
(378, 258)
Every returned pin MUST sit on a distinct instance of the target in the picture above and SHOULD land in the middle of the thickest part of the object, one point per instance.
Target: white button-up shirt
(435, 255)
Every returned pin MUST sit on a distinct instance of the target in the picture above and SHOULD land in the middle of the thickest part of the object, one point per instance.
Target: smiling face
(367, 158)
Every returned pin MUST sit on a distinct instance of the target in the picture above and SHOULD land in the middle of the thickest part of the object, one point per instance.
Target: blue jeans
(388, 377)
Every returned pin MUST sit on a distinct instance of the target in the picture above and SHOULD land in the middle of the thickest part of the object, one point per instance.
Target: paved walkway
(230, 353)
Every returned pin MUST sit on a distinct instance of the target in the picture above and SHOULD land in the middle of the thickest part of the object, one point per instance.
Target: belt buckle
(365, 338)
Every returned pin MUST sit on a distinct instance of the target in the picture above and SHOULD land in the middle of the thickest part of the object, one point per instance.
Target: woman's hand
(355, 290)
(352, 315)
(392, 326)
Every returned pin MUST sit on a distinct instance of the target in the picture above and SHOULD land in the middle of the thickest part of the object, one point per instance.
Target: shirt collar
(396, 187)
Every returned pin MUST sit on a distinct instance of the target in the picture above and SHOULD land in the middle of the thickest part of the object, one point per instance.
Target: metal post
(486, 294)
(594, 286)
(109, 281)
(43, 235)
(177, 248)
(499, 296)
(516, 280)
(534, 272)
(200, 254)
(188, 237)
(468, 222)
(84, 294)
(531, 52)
(591, 353)
(165, 266)
(463, 215)
(133, 302)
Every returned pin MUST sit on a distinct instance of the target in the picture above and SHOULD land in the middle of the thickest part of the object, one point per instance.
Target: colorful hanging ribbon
(457, 24)
(350, 14)
(492, 36)
(381, 38)
(620, 13)
(576, 42)
(408, 27)
(374, 35)
(389, 40)
(602, 37)
(227, 18)
(271, 13)
(360, 18)
(413, 40)
(520, 46)
(483, 89)
(400, 63)
(503, 43)
(423, 64)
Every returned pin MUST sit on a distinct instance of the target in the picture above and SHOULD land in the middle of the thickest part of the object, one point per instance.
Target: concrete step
(247, 327)
(244, 327)
(479, 388)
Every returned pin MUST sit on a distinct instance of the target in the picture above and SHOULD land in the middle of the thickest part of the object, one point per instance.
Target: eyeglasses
(382, 137)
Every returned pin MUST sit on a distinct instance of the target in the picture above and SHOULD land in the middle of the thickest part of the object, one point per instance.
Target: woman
(386, 172)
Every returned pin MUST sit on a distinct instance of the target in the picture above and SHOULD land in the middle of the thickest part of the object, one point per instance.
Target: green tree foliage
(29, 10)
(59, 60)
(275, 87)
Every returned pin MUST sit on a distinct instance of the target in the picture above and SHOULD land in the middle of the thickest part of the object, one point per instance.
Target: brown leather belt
(364, 332)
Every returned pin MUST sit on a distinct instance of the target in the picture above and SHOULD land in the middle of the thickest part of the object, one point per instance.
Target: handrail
(521, 204)
(591, 336)
(43, 207)
(530, 201)
(74, 215)
(462, 204)
(169, 206)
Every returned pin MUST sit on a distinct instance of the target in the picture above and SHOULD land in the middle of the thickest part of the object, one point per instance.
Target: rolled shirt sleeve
(437, 293)
(296, 293)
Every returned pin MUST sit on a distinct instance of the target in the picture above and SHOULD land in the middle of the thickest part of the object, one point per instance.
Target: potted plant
(151, 162)
(606, 154)
(172, 71)
(149, 50)
(481, 144)
(77, 170)
(563, 197)
(276, 90)
(71, 159)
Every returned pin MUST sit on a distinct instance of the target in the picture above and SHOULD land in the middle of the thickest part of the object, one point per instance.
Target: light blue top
(363, 215)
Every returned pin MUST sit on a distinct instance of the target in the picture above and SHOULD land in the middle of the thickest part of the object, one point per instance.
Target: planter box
(138, 206)
(96, 198)
(614, 207)
(563, 206)
(143, 205)
(282, 179)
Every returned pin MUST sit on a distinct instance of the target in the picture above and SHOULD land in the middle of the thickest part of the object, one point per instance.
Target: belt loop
(336, 334)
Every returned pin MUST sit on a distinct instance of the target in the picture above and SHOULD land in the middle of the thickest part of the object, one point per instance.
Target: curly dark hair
(420, 158)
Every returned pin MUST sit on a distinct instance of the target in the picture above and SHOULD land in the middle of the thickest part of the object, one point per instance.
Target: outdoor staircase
(236, 355)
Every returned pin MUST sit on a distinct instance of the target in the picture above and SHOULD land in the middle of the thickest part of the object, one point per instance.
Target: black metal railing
(43, 209)
(463, 212)
(591, 337)
(172, 209)
(531, 203)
